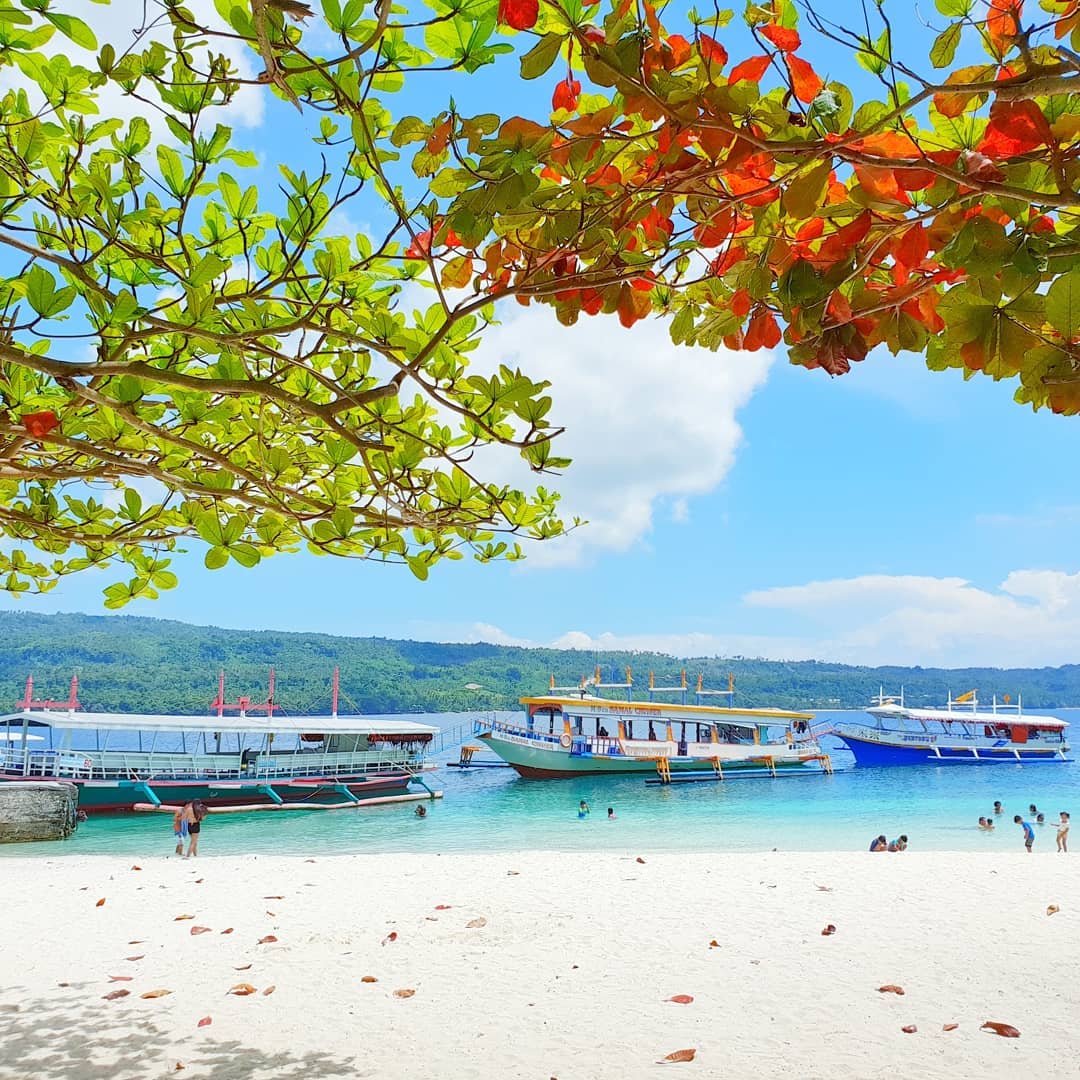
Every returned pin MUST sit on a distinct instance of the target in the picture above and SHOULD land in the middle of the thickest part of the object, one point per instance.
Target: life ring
(87, 763)
(564, 741)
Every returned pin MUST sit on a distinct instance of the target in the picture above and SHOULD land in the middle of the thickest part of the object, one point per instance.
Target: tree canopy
(230, 361)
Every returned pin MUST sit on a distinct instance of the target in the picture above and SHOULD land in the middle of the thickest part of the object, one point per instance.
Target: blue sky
(737, 505)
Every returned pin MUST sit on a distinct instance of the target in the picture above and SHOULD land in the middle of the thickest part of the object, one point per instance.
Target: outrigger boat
(572, 731)
(124, 761)
(959, 733)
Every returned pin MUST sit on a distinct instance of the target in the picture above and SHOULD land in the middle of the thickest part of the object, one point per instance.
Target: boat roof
(663, 710)
(975, 717)
(278, 725)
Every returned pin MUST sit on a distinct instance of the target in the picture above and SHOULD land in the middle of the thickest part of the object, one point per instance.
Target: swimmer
(611, 813)
(998, 808)
(583, 809)
(421, 811)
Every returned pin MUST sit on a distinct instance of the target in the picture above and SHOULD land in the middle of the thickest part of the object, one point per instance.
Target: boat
(127, 761)
(958, 733)
(575, 731)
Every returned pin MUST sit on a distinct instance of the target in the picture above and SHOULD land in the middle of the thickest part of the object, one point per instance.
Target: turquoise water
(494, 809)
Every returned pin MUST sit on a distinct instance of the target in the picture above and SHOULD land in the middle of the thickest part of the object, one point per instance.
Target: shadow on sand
(73, 1035)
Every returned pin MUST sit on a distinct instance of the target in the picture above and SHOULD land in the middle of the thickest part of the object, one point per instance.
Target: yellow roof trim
(658, 708)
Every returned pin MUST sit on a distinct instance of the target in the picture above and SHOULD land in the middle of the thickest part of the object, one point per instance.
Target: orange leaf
(227, 930)
(181, 918)
(120, 978)
(368, 979)
(404, 993)
(909, 1029)
(241, 989)
(204, 1022)
(805, 81)
(1005, 1030)
(135, 957)
(179, 1067)
(1053, 909)
(741, 303)
(1002, 23)
(200, 930)
(269, 990)
(881, 184)
(266, 940)
(113, 995)
(392, 936)
(474, 924)
(678, 1055)
(100, 903)
(751, 70)
(890, 988)
(136, 868)
(784, 39)
(442, 907)
(712, 51)
(155, 993)
(39, 424)
(949, 1027)
(1015, 128)
(714, 944)
(681, 999)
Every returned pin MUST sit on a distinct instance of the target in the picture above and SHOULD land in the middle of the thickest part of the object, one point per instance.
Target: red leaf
(681, 999)
(640, 860)
(195, 930)
(909, 1029)
(891, 988)
(39, 424)
(268, 991)
(566, 95)
(714, 944)
(1003, 23)
(273, 897)
(519, 14)
(266, 940)
(678, 1055)
(712, 51)
(751, 70)
(120, 978)
(828, 931)
(949, 1027)
(136, 868)
(805, 81)
(134, 957)
(241, 989)
(741, 303)
(784, 39)
(404, 993)
(227, 930)
(115, 994)
(204, 1022)
(1005, 1030)
(442, 907)
(1015, 128)
(392, 936)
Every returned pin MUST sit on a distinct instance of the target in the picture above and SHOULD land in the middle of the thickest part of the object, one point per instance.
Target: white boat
(121, 760)
(958, 733)
(573, 732)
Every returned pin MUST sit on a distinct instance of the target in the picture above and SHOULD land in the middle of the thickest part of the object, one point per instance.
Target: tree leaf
(1063, 305)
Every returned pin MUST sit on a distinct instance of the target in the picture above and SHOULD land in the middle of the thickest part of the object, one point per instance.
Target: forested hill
(150, 665)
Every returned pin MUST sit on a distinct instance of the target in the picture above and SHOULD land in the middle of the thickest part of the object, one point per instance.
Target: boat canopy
(661, 711)
(400, 730)
(1000, 719)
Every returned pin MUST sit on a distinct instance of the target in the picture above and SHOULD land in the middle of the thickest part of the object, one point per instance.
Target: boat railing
(142, 765)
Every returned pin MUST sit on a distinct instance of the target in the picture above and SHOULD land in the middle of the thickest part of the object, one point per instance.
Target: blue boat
(959, 733)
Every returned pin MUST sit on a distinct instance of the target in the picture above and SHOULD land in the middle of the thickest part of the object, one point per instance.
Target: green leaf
(1063, 305)
(807, 191)
(944, 48)
(216, 558)
(954, 9)
(541, 56)
(72, 28)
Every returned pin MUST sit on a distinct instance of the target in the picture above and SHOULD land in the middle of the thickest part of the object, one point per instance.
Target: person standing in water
(180, 829)
(611, 813)
(998, 808)
(583, 810)
(194, 813)
(1063, 832)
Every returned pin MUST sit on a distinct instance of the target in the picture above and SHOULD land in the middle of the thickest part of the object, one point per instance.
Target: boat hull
(543, 763)
(111, 796)
(878, 752)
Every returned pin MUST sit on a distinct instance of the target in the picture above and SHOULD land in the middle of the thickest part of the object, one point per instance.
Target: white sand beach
(565, 972)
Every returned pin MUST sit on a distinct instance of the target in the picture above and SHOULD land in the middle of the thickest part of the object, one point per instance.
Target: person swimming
(998, 808)
(986, 824)
(583, 809)
(611, 813)
(1040, 819)
(421, 811)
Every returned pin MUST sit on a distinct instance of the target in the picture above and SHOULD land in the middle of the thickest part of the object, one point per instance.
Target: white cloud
(1031, 620)
(647, 422)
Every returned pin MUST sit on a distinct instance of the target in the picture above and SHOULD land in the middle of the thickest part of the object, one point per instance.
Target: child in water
(1029, 832)
(1063, 832)
(611, 813)
(583, 809)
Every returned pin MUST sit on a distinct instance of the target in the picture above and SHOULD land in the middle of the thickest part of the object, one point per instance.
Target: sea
(493, 809)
